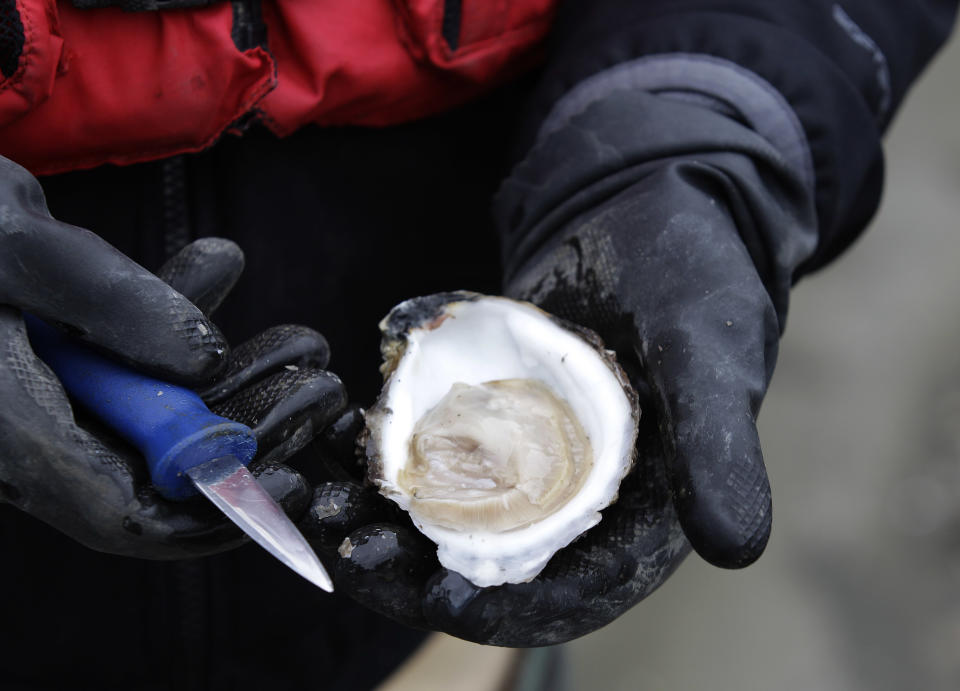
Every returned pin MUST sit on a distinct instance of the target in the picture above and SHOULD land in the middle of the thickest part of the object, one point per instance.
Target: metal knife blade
(227, 483)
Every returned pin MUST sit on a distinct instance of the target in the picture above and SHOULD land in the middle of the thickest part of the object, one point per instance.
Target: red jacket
(106, 86)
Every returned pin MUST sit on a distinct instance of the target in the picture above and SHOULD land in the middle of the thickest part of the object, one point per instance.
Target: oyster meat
(502, 430)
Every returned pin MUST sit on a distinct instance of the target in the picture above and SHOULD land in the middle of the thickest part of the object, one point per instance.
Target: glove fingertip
(204, 271)
(189, 349)
(720, 486)
(340, 437)
(384, 567)
(448, 596)
(339, 508)
(730, 529)
(287, 487)
(384, 548)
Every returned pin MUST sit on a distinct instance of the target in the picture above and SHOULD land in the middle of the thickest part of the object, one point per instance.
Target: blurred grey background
(859, 588)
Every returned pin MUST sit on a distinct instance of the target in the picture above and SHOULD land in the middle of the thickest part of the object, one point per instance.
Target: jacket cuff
(771, 78)
(700, 79)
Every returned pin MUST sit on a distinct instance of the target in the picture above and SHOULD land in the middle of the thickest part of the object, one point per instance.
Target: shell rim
(428, 313)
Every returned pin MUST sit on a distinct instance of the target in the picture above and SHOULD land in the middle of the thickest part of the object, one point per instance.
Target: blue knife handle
(169, 425)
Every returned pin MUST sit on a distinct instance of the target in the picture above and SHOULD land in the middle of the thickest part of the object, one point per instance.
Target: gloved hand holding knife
(66, 469)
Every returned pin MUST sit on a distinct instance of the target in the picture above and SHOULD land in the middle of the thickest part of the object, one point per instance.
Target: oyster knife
(188, 449)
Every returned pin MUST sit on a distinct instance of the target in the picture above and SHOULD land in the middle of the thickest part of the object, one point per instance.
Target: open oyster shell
(502, 430)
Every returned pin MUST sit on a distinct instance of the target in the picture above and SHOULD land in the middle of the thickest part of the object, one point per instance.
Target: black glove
(682, 263)
(67, 470)
(672, 230)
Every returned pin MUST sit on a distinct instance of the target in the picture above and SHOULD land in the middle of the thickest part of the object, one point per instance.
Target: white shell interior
(497, 338)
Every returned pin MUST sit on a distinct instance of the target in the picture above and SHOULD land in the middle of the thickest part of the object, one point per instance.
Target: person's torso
(84, 87)
(338, 224)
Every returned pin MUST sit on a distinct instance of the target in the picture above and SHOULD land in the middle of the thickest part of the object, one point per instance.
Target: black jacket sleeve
(843, 68)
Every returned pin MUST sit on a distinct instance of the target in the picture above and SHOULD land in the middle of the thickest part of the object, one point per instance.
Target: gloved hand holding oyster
(503, 432)
(682, 264)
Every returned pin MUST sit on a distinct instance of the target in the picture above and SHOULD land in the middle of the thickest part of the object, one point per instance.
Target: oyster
(502, 430)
